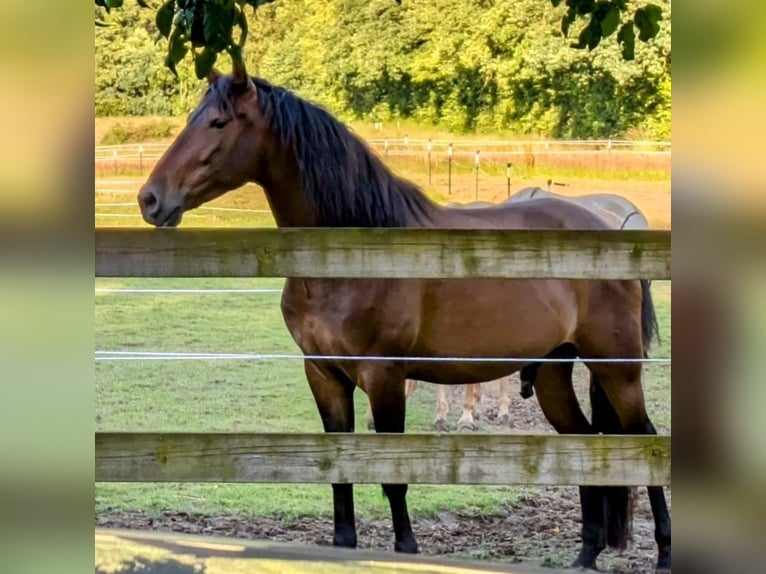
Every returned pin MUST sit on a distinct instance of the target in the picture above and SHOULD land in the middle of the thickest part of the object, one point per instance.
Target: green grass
(250, 396)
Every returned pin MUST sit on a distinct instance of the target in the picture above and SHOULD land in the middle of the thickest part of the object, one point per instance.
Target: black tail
(618, 500)
(649, 326)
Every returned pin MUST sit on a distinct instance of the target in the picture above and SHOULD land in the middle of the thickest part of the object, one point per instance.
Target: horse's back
(615, 210)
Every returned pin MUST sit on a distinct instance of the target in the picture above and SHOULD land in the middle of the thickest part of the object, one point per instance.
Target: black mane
(344, 182)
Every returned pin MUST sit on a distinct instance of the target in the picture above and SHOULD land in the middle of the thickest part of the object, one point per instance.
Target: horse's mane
(344, 182)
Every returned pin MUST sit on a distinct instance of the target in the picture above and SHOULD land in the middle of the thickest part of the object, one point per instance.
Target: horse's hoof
(408, 547)
(504, 420)
(584, 563)
(441, 425)
(344, 540)
(663, 561)
(467, 426)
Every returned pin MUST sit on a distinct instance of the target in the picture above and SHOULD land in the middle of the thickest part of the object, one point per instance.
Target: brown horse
(316, 173)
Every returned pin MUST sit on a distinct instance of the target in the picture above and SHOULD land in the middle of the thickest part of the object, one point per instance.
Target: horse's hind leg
(384, 385)
(472, 397)
(558, 401)
(619, 408)
(334, 399)
(410, 387)
(613, 329)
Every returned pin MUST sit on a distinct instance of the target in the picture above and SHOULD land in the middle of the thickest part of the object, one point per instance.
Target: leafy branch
(206, 28)
(209, 28)
(605, 17)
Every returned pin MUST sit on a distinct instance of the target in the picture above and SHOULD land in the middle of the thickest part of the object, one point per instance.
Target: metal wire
(184, 356)
(106, 290)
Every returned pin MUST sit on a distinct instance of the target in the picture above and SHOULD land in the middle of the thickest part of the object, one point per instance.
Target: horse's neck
(283, 189)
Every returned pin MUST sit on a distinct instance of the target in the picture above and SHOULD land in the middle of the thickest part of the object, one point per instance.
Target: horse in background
(470, 413)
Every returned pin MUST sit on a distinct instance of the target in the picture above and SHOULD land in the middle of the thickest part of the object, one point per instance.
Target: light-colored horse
(614, 210)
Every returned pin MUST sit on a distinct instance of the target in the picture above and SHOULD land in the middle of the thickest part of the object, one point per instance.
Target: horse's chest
(317, 319)
(334, 318)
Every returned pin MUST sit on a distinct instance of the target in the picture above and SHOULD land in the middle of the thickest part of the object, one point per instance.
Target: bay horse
(614, 210)
(317, 173)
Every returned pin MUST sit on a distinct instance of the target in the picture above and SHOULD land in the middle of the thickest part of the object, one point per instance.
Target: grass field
(273, 396)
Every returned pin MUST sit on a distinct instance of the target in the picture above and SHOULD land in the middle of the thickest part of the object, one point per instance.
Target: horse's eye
(219, 123)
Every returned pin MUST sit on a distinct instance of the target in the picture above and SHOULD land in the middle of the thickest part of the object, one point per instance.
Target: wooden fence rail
(400, 253)
(375, 458)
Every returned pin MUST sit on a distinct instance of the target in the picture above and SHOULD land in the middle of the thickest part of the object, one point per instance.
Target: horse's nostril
(149, 199)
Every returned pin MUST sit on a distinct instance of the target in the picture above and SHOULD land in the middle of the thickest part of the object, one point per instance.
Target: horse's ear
(213, 75)
(239, 76)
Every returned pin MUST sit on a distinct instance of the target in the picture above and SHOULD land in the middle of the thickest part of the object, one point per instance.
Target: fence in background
(443, 161)
(151, 152)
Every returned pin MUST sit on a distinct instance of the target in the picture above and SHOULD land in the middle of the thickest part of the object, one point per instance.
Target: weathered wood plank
(374, 458)
(400, 253)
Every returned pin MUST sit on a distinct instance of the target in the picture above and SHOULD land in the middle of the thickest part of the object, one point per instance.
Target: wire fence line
(134, 215)
(149, 291)
(482, 159)
(201, 208)
(405, 145)
(120, 355)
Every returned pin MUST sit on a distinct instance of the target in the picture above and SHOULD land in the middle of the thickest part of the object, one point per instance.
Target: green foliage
(604, 16)
(208, 27)
(127, 132)
(131, 78)
(205, 28)
(465, 65)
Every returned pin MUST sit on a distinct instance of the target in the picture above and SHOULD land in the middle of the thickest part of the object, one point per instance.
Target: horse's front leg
(334, 398)
(384, 385)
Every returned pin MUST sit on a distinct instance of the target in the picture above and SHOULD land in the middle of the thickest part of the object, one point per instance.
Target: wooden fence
(371, 458)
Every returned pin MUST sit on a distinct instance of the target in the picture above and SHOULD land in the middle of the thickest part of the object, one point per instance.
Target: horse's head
(215, 153)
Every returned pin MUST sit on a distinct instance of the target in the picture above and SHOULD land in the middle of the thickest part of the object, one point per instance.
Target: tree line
(466, 65)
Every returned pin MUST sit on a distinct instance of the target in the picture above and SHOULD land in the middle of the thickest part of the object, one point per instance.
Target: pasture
(268, 396)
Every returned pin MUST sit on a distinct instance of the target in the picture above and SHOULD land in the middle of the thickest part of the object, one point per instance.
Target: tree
(208, 28)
